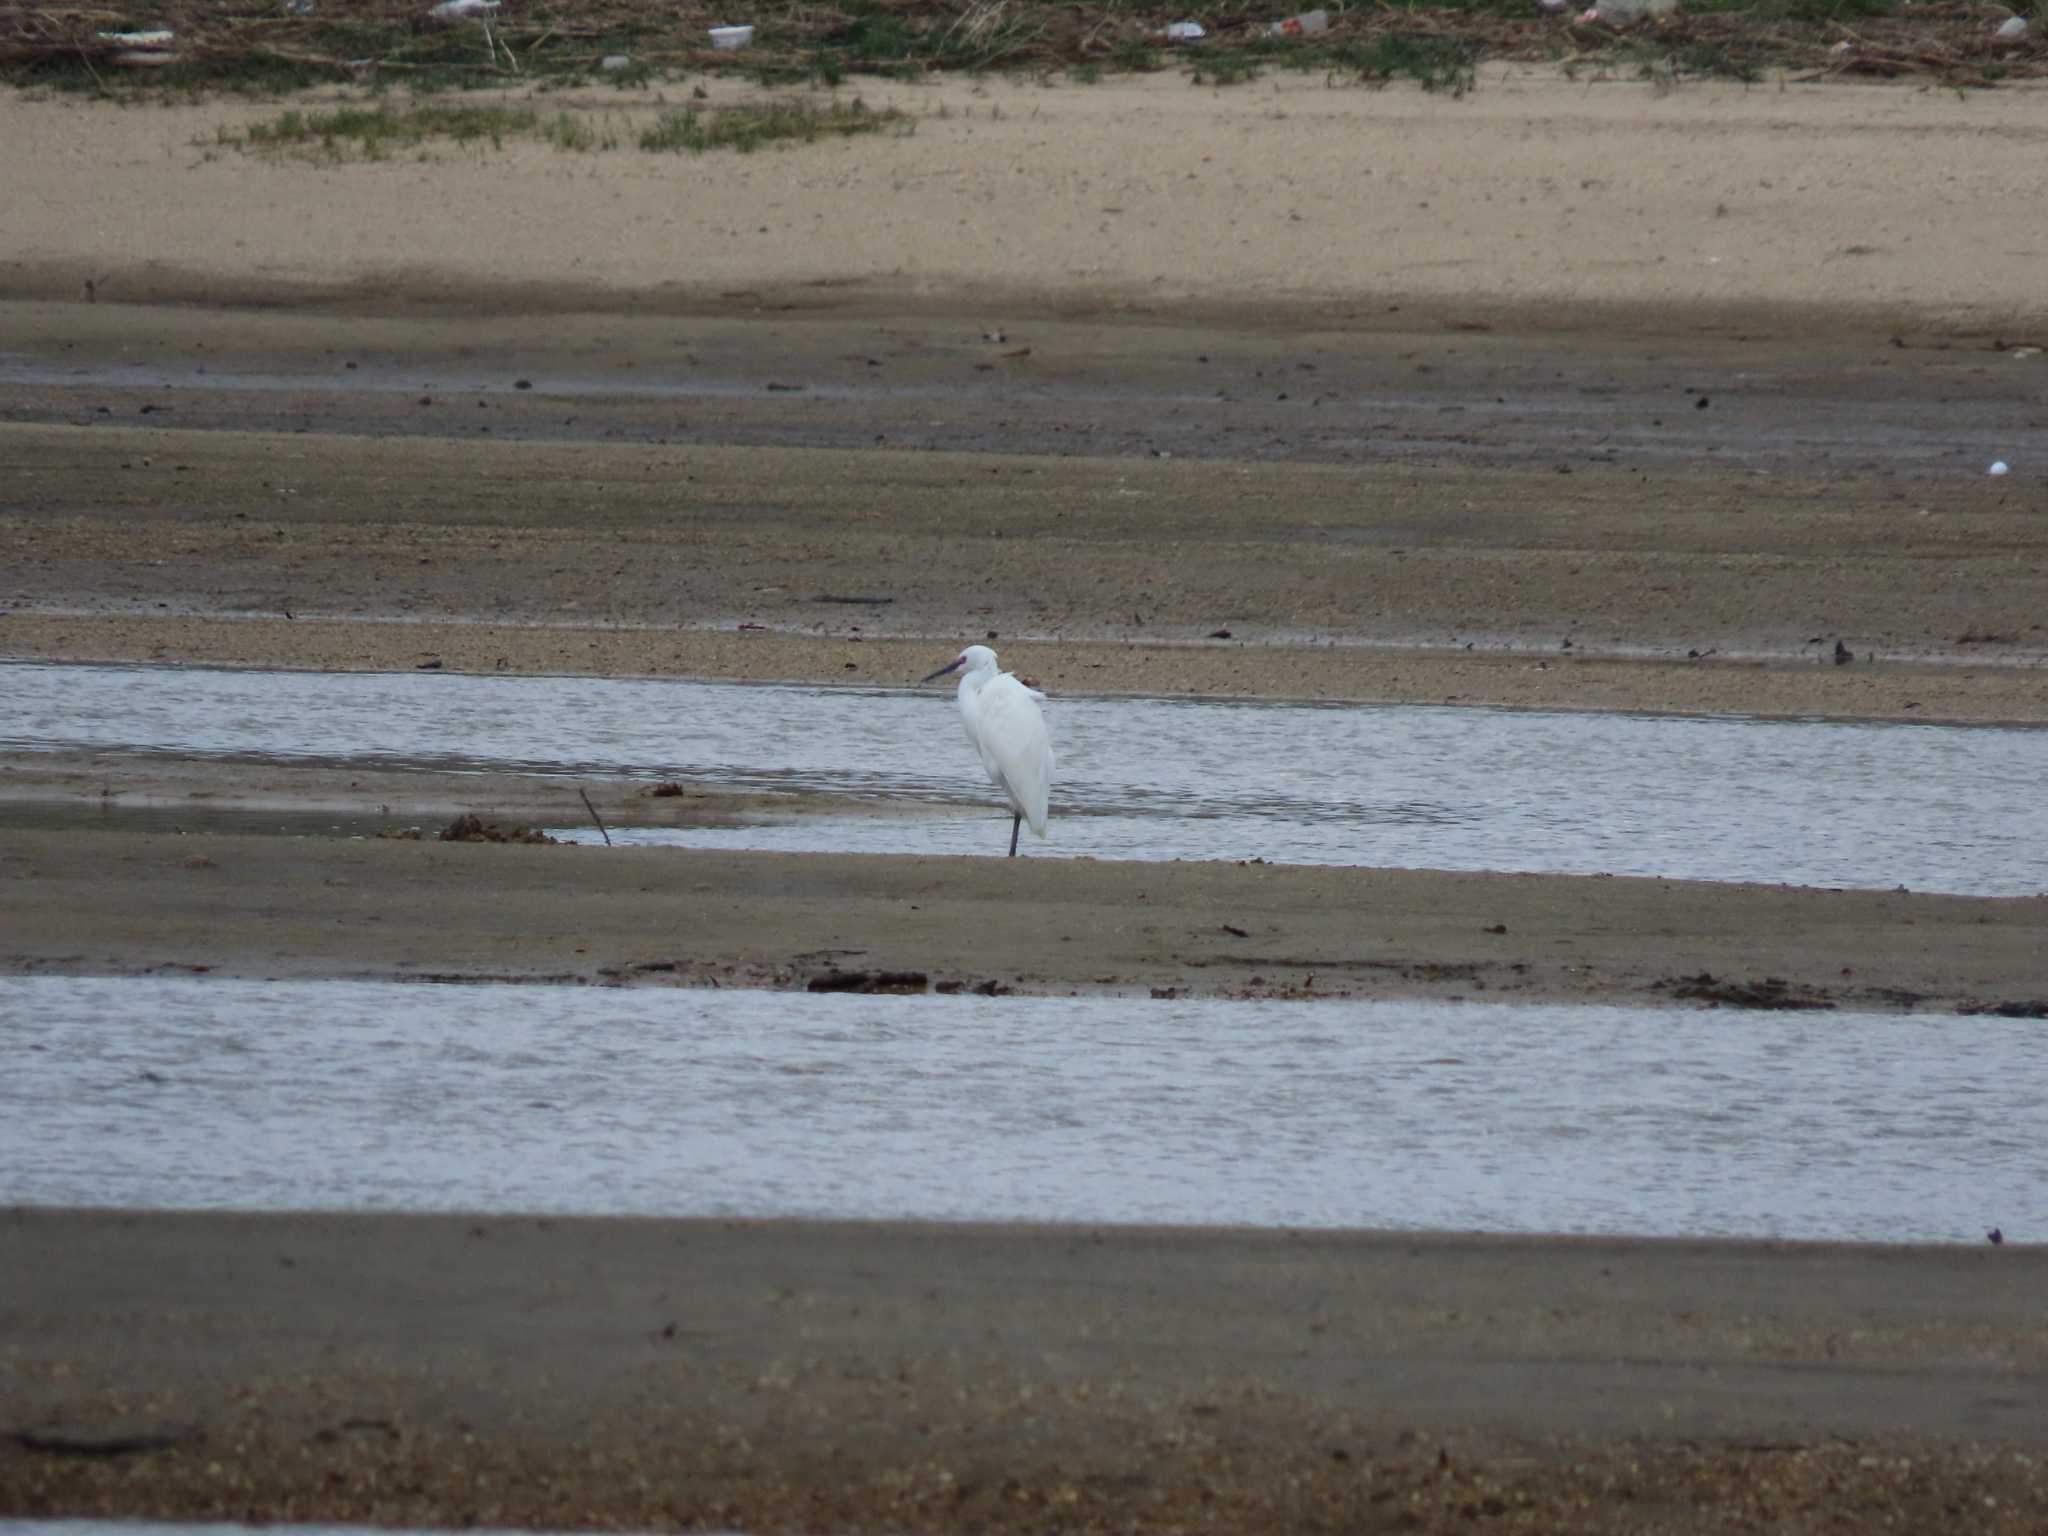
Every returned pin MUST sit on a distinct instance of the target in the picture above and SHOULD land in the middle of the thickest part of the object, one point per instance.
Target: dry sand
(1559, 395)
(1535, 199)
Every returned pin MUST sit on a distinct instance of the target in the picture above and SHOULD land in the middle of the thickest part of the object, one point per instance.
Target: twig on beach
(596, 818)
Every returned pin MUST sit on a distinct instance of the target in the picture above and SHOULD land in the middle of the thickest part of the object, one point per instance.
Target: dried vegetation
(274, 45)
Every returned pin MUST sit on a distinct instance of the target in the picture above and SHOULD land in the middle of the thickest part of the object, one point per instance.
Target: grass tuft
(1432, 60)
(750, 126)
(379, 132)
(375, 133)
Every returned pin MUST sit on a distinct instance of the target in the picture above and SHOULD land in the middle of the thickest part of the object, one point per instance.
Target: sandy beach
(1537, 200)
(1565, 394)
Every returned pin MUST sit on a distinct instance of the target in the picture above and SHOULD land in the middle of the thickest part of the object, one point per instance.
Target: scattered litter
(731, 39)
(2011, 30)
(996, 337)
(612, 63)
(1185, 31)
(1844, 46)
(1552, 7)
(298, 7)
(1302, 24)
(1999, 467)
(141, 50)
(1587, 17)
(463, 10)
(2026, 351)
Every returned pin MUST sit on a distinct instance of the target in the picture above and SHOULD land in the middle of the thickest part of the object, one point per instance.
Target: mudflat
(1558, 396)
(83, 900)
(875, 1377)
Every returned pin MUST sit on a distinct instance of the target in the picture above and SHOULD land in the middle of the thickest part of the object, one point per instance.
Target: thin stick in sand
(595, 817)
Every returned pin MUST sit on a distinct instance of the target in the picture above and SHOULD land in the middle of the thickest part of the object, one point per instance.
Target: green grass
(376, 133)
(379, 132)
(1433, 61)
(749, 127)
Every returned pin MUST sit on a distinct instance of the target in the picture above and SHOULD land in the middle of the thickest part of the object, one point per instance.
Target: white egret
(1004, 724)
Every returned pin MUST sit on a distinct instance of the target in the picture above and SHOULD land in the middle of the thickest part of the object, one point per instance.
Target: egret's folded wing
(1015, 747)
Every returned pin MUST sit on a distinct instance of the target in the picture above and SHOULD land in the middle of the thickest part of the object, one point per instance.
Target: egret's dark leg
(1015, 823)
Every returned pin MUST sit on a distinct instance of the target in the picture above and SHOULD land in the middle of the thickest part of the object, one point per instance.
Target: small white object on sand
(141, 49)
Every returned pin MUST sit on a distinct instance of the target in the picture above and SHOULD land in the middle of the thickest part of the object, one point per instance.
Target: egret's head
(976, 658)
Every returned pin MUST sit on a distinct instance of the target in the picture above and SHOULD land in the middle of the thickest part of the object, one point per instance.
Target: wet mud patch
(471, 828)
(1771, 992)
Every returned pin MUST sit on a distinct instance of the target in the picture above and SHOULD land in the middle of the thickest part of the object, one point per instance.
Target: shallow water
(185, 1093)
(1928, 807)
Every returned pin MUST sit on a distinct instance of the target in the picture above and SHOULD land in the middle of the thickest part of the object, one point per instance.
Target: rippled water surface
(1932, 808)
(388, 1096)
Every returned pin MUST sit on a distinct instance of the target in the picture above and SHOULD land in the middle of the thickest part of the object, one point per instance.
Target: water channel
(1932, 808)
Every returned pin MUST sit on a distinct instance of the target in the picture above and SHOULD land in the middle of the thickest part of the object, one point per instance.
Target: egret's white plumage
(1005, 727)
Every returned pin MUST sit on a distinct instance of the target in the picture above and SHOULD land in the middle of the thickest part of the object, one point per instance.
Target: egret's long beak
(951, 666)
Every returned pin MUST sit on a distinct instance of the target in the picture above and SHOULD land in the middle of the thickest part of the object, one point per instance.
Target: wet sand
(82, 900)
(1687, 523)
(1642, 410)
(880, 1377)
